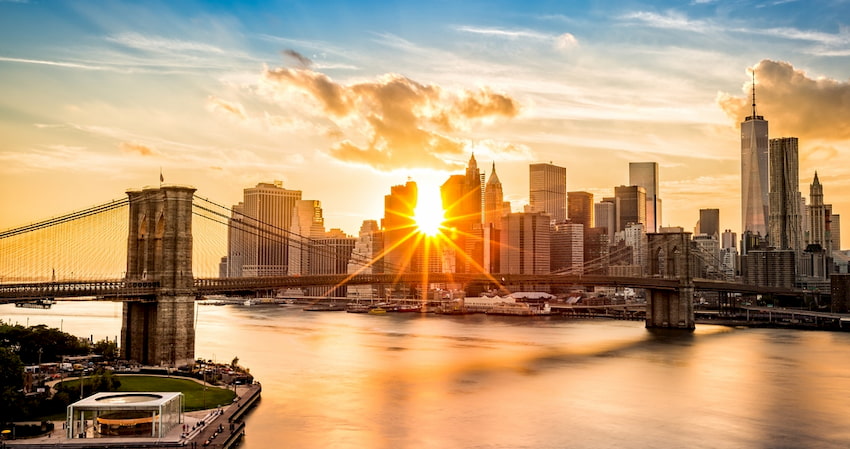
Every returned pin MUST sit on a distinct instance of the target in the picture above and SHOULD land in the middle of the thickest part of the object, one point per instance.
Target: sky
(342, 100)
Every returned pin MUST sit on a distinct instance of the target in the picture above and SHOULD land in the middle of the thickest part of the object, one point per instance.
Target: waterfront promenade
(219, 428)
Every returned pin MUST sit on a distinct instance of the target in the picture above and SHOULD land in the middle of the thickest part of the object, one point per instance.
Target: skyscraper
(267, 210)
(605, 215)
(365, 259)
(817, 218)
(548, 190)
(462, 197)
(754, 178)
(709, 222)
(494, 200)
(784, 220)
(645, 174)
(494, 209)
(525, 243)
(398, 224)
(630, 206)
(567, 251)
(307, 225)
(580, 208)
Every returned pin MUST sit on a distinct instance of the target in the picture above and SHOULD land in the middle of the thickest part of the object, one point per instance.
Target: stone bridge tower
(160, 330)
(669, 257)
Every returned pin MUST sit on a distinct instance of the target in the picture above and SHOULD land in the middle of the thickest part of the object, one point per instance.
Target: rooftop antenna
(754, 93)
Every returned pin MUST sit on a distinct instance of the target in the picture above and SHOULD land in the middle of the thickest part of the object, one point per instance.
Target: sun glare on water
(429, 214)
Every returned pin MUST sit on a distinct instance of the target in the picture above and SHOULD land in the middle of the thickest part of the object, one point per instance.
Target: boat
(511, 308)
(378, 311)
(416, 308)
(357, 308)
(325, 308)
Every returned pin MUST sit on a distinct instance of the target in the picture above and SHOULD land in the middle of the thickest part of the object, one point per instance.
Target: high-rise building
(754, 178)
(630, 205)
(817, 216)
(567, 251)
(605, 213)
(580, 208)
(331, 256)
(835, 233)
(709, 222)
(784, 219)
(398, 225)
(494, 200)
(462, 197)
(729, 239)
(645, 174)
(307, 225)
(634, 235)
(548, 190)
(366, 259)
(267, 217)
(236, 241)
(708, 255)
(525, 243)
(596, 245)
(495, 208)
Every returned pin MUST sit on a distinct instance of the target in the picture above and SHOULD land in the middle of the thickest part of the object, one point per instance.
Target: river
(340, 380)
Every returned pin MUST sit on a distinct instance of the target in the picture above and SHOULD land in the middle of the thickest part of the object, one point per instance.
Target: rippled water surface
(339, 380)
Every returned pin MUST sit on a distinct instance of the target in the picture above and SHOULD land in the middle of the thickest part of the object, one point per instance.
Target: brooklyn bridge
(144, 249)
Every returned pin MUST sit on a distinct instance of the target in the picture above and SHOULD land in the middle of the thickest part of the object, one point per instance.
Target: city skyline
(96, 100)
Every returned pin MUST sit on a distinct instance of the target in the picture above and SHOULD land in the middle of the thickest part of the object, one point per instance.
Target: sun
(429, 214)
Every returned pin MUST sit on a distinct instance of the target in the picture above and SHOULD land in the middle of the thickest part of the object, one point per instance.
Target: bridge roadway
(120, 289)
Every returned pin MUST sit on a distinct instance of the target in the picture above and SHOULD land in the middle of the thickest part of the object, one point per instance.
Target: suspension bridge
(167, 255)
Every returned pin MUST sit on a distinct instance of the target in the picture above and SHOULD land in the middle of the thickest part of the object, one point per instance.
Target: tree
(11, 384)
(108, 349)
(40, 343)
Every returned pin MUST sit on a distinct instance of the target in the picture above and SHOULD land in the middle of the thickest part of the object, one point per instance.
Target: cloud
(393, 122)
(566, 41)
(794, 103)
(563, 41)
(53, 63)
(672, 20)
(131, 147)
(159, 44)
(216, 104)
(301, 61)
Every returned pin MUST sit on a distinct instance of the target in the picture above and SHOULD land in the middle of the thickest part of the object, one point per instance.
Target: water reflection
(354, 381)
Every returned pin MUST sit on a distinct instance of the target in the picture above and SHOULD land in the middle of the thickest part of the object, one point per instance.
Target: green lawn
(194, 395)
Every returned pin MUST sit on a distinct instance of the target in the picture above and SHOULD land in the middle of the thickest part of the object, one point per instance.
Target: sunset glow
(107, 98)
(429, 212)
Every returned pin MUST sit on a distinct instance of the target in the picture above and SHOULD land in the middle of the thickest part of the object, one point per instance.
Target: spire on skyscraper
(754, 93)
(494, 179)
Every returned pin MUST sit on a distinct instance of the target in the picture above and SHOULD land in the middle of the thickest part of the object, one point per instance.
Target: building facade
(548, 190)
(645, 174)
(754, 177)
(525, 243)
(784, 218)
(709, 222)
(567, 251)
(630, 206)
(398, 224)
(261, 244)
(580, 208)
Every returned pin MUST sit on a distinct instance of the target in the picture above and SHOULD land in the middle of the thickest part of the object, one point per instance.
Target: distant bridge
(121, 289)
(158, 287)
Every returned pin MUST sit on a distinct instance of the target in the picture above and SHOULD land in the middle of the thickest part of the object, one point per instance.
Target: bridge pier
(160, 330)
(670, 257)
(670, 308)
